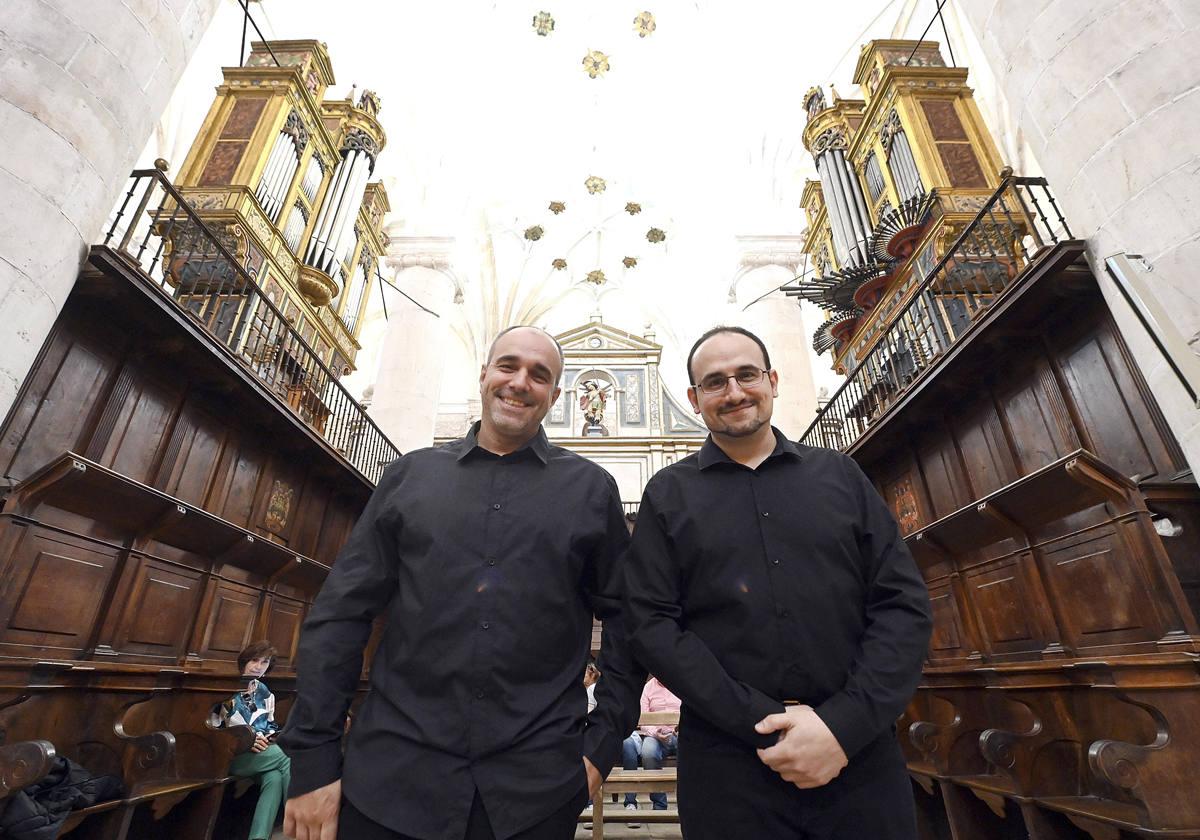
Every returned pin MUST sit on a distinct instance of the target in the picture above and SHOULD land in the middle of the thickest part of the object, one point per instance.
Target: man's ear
(694, 398)
(557, 394)
(482, 373)
(774, 377)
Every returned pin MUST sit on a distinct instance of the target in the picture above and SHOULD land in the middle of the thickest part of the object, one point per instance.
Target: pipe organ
(991, 399)
(283, 173)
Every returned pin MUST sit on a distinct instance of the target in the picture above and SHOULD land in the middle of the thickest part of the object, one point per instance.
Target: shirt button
(484, 625)
(479, 694)
(764, 513)
(491, 561)
(783, 613)
(775, 562)
(496, 507)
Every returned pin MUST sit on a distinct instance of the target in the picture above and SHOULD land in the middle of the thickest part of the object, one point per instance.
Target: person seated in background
(590, 674)
(651, 743)
(265, 763)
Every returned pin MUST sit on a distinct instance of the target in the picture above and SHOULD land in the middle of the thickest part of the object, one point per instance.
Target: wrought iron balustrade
(1010, 233)
(159, 233)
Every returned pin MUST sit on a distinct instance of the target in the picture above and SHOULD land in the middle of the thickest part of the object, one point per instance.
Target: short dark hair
(256, 650)
(562, 360)
(723, 329)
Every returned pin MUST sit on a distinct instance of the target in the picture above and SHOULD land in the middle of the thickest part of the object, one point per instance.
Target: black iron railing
(1011, 231)
(158, 231)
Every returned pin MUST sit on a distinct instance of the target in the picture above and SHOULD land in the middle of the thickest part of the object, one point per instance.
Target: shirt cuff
(314, 767)
(760, 706)
(602, 748)
(847, 723)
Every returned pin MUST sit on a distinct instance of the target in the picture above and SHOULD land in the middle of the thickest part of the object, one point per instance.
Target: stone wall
(81, 85)
(1107, 93)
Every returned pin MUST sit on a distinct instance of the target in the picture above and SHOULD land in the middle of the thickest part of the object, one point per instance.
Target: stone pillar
(1107, 94)
(81, 85)
(407, 386)
(766, 263)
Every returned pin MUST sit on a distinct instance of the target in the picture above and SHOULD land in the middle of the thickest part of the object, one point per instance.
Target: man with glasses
(768, 585)
(488, 558)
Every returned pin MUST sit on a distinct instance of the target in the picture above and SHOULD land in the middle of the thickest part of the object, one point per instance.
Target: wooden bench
(94, 716)
(621, 781)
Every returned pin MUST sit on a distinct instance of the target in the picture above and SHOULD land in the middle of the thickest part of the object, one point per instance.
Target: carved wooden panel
(140, 416)
(54, 588)
(1116, 418)
(60, 403)
(942, 472)
(1006, 604)
(243, 118)
(948, 636)
(284, 617)
(241, 468)
(314, 497)
(156, 603)
(195, 449)
(229, 625)
(1101, 595)
(962, 167)
(339, 520)
(1032, 406)
(943, 120)
(229, 148)
(902, 496)
(222, 163)
(985, 451)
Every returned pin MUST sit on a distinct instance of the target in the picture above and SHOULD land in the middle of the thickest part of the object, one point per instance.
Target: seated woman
(266, 763)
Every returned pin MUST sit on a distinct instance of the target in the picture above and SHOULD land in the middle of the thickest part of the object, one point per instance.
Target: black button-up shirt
(489, 569)
(746, 587)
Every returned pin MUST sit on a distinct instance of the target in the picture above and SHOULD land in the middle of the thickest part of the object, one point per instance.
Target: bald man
(488, 556)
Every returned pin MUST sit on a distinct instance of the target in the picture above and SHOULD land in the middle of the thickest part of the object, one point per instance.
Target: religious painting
(278, 506)
(903, 502)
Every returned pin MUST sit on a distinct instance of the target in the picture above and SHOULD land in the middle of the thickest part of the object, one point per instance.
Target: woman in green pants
(266, 763)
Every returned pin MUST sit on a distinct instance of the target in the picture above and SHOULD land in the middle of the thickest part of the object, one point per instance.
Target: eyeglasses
(715, 383)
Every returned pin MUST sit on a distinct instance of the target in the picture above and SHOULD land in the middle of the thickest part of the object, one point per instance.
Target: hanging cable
(946, 32)
(804, 272)
(936, 14)
(266, 43)
(401, 291)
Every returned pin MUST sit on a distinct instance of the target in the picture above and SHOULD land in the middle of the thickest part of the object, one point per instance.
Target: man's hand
(314, 815)
(807, 755)
(260, 743)
(594, 778)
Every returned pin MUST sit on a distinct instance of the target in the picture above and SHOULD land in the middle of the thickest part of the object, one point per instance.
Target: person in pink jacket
(651, 743)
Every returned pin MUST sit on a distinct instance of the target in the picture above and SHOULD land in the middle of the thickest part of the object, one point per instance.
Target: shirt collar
(711, 454)
(539, 445)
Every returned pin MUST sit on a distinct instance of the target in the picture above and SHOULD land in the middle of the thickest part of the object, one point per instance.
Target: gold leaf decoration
(655, 235)
(595, 63)
(595, 184)
(557, 207)
(633, 208)
(596, 277)
(644, 24)
(629, 262)
(533, 234)
(559, 264)
(543, 23)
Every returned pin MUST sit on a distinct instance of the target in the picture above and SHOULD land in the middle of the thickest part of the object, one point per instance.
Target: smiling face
(257, 667)
(517, 386)
(736, 411)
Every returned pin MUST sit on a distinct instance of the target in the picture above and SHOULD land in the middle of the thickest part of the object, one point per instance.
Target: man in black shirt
(769, 588)
(488, 558)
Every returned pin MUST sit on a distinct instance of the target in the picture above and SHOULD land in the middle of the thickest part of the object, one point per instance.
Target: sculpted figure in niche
(593, 396)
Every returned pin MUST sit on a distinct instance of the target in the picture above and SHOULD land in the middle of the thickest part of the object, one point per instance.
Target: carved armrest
(924, 736)
(23, 763)
(147, 758)
(1000, 747)
(229, 742)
